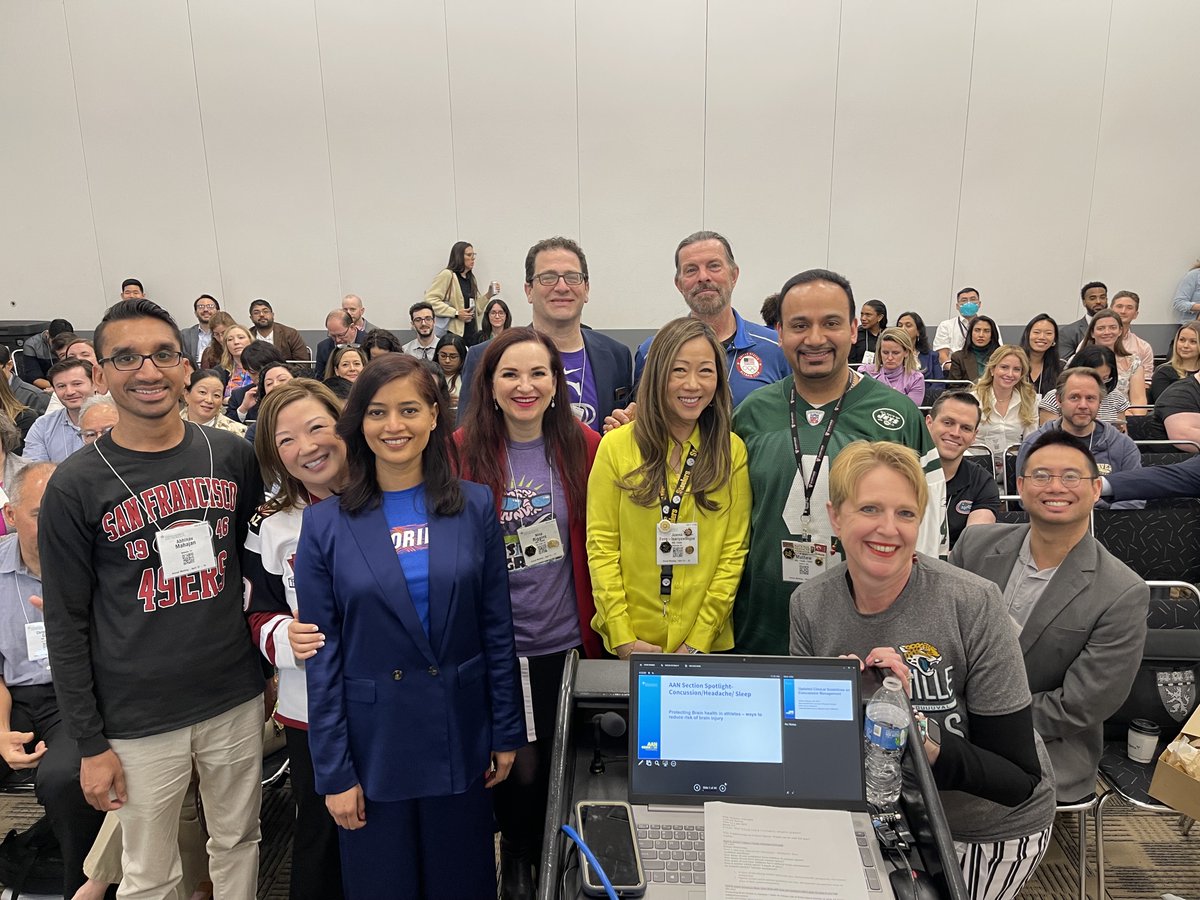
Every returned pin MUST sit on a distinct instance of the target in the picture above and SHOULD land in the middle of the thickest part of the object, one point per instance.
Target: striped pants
(999, 869)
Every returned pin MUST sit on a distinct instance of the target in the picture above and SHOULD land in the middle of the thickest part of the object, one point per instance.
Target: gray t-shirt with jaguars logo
(963, 653)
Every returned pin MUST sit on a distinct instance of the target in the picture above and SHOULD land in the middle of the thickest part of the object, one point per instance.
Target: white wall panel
(1036, 90)
(47, 242)
(641, 152)
(904, 71)
(516, 161)
(388, 112)
(1143, 235)
(769, 116)
(140, 120)
(259, 78)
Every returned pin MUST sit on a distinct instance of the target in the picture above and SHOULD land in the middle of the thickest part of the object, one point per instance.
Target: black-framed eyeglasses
(449, 357)
(131, 362)
(549, 279)
(1041, 478)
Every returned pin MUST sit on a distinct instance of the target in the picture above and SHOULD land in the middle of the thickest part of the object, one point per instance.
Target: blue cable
(591, 858)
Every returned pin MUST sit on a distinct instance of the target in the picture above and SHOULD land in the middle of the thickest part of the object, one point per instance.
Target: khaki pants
(226, 751)
(103, 863)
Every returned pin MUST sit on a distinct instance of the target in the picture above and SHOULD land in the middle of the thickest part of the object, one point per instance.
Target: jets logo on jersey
(888, 418)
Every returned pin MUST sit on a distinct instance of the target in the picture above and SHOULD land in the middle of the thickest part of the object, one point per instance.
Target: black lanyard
(811, 484)
(670, 513)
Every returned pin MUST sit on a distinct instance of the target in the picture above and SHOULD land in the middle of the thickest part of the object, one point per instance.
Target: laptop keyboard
(672, 854)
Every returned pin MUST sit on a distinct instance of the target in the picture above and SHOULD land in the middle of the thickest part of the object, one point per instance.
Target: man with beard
(425, 343)
(286, 340)
(1094, 295)
(1080, 392)
(793, 430)
(706, 274)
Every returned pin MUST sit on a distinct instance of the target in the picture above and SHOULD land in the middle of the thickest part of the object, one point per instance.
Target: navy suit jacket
(400, 712)
(1181, 479)
(612, 367)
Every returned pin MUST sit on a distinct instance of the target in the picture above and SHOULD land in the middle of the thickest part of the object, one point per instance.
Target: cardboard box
(1175, 787)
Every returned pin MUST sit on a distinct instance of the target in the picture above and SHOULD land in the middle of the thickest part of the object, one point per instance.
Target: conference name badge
(803, 559)
(678, 544)
(540, 542)
(186, 549)
(35, 641)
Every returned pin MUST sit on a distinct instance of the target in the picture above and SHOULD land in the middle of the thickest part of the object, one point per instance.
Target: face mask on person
(968, 309)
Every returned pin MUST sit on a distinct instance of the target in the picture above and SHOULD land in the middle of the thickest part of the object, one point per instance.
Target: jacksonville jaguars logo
(933, 679)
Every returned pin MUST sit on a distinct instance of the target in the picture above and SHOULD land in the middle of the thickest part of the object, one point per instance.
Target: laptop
(770, 730)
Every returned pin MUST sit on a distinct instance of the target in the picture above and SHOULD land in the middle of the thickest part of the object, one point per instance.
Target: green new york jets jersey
(872, 411)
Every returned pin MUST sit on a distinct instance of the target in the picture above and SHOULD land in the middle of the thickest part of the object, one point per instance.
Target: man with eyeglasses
(424, 345)
(97, 417)
(599, 369)
(1080, 391)
(154, 669)
(339, 326)
(55, 436)
(1081, 611)
(197, 338)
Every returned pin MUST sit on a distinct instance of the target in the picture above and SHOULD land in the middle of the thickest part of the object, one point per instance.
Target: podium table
(592, 687)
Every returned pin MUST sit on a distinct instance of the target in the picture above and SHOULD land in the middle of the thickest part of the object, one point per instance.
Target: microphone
(610, 723)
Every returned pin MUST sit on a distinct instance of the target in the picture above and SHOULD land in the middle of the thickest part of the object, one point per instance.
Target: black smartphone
(606, 826)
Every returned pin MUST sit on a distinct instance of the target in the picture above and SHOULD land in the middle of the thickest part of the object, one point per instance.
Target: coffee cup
(1143, 740)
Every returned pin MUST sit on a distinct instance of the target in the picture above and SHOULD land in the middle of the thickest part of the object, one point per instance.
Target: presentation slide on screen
(710, 719)
(818, 699)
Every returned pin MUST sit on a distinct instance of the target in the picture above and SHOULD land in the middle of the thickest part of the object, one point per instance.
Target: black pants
(316, 858)
(75, 824)
(520, 800)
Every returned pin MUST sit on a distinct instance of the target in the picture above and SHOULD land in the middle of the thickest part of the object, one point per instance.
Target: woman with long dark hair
(872, 320)
(669, 505)
(414, 702)
(521, 440)
(496, 318)
(1039, 340)
(983, 340)
(455, 295)
(451, 355)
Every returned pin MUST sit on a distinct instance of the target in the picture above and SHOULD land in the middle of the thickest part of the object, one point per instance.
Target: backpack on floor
(31, 860)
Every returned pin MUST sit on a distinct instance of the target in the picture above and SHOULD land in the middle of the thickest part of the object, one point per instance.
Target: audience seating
(1157, 543)
(1170, 662)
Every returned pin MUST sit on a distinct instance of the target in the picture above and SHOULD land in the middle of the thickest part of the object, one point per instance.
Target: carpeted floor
(1145, 854)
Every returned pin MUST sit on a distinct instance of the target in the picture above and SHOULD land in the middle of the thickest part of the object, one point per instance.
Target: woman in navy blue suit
(414, 701)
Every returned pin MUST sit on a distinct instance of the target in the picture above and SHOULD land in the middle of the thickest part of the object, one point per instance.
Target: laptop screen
(779, 730)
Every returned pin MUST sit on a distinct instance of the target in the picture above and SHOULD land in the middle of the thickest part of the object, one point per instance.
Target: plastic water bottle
(886, 733)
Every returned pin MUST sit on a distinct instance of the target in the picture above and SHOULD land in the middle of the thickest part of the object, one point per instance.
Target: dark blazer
(1070, 336)
(287, 341)
(1181, 479)
(35, 399)
(235, 401)
(612, 367)
(405, 714)
(963, 365)
(191, 343)
(1082, 644)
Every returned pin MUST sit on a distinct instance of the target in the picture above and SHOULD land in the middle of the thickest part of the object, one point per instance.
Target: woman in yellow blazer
(454, 295)
(668, 507)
